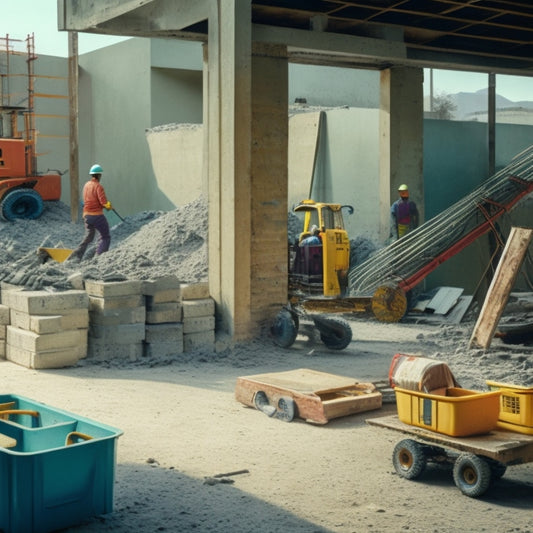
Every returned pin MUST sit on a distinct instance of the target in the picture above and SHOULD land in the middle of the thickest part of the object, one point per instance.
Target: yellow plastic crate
(516, 407)
(459, 413)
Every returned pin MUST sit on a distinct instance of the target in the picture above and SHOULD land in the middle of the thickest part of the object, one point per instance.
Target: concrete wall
(334, 86)
(455, 163)
(176, 96)
(347, 168)
(176, 158)
(303, 148)
(125, 90)
(115, 90)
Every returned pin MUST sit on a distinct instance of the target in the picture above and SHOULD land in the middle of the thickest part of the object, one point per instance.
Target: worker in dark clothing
(313, 239)
(403, 214)
(94, 201)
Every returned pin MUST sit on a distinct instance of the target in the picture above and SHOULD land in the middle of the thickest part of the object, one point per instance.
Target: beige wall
(176, 158)
(125, 90)
(303, 146)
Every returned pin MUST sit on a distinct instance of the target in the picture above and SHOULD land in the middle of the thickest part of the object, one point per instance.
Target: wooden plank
(500, 287)
(319, 396)
(505, 446)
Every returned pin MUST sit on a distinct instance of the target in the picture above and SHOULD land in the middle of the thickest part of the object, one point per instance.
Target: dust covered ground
(182, 425)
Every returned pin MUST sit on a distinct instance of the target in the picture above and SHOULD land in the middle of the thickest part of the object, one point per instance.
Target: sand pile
(144, 246)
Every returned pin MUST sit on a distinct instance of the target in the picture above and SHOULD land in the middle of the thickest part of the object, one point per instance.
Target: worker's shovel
(115, 211)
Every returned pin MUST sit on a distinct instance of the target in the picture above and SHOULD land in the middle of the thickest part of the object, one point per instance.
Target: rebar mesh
(410, 254)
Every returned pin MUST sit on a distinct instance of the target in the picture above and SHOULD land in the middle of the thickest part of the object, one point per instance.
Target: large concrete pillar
(401, 138)
(247, 121)
(269, 180)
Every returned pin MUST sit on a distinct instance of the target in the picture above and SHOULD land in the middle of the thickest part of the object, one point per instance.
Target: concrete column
(247, 138)
(229, 148)
(401, 139)
(269, 181)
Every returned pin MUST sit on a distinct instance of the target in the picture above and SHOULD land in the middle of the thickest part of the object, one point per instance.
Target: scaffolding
(14, 102)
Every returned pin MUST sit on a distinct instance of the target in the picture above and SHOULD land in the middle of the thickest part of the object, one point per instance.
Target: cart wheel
(472, 474)
(409, 459)
(285, 329)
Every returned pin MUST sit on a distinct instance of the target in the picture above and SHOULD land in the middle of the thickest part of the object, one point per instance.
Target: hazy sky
(22, 17)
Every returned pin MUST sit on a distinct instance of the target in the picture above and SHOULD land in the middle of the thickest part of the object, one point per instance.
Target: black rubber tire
(472, 474)
(335, 332)
(22, 203)
(284, 329)
(409, 459)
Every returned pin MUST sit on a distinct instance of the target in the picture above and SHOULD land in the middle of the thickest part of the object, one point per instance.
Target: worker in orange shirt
(94, 202)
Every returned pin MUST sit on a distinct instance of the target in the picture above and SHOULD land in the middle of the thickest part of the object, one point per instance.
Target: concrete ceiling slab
(483, 35)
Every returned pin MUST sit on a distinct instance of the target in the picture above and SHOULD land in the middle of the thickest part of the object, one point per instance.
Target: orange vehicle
(22, 189)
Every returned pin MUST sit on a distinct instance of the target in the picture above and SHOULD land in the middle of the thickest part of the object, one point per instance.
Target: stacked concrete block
(198, 317)
(117, 320)
(4, 322)
(47, 329)
(164, 329)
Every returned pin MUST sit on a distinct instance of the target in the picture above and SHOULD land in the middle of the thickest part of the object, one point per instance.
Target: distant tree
(443, 107)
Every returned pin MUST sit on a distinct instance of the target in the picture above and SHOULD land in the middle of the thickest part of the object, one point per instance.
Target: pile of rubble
(147, 245)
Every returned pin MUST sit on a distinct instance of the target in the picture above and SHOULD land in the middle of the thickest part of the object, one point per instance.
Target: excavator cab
(320, 269)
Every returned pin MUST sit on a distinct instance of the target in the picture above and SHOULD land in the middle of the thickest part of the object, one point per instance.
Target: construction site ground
(183, 427)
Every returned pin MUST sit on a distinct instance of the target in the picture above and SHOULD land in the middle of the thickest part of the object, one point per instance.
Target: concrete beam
(304, 43)
(79, 15)
(131, 17)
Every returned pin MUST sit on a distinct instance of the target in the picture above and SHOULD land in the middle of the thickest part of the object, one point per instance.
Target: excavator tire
(335, 332)
(21, 203)
(389, 303)
(284, 329)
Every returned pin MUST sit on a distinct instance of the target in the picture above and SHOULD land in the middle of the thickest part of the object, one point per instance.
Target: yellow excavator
(319, 260)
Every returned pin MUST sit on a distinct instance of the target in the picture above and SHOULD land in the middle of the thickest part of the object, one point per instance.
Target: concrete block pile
(46, 330)
(117, 320)
(164, 329)
(4, 322)
(106, 321)
(198, 317)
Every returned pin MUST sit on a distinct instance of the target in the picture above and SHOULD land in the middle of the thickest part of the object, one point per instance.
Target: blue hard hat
(96, 169)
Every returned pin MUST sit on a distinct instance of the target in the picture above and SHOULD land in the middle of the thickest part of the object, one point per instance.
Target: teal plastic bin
(57, 469)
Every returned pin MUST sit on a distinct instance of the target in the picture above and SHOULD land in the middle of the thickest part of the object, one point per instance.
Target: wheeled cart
(477, 460)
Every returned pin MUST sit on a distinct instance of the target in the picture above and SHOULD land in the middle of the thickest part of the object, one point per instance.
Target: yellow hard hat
(403, 187)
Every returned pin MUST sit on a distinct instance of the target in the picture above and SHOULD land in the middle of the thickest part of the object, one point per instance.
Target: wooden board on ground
(319, 396)
(507, 447)
(500, 287)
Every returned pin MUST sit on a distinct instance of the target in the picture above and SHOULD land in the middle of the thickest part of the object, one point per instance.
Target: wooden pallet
(318, 396)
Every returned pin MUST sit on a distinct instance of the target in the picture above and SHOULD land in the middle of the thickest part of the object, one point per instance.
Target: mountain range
(468, 103)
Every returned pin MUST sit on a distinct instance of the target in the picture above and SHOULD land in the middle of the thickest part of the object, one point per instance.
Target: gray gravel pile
(147, 245)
